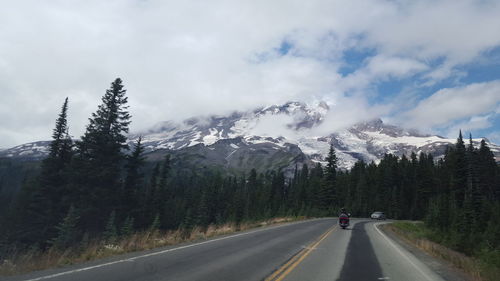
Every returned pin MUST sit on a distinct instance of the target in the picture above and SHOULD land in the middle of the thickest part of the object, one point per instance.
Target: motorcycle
(344, 221)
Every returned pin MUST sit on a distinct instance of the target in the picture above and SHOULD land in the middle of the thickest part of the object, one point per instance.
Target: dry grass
(37, 260)
(470, 266)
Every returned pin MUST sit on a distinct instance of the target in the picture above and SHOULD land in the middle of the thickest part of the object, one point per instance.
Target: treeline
(457, 196)
(100, 188)
(465, 205)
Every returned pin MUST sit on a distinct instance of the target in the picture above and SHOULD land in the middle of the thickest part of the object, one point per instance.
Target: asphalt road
(310, 250)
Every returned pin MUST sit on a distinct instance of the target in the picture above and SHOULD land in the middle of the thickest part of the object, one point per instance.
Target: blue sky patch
(355, 59)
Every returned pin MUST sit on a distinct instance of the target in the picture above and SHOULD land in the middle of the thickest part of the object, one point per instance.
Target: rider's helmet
(343, 211)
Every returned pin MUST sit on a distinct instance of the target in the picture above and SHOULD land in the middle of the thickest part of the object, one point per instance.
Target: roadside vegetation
(483, 265)
(119, 243)
(95, 191)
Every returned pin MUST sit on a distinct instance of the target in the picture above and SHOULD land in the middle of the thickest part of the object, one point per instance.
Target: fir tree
(133, 180)
(188, 224)
(127, 227)
(110, 233)
(327, 192)
(460, 171)
(100, 156)
(60, 147)
(68, 232)
(148, 208)
(162, 195)
(53, 180)
(155, 225)
(487, 173)
(203, 214)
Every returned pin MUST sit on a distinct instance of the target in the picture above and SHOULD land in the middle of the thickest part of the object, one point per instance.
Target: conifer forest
(99, 187)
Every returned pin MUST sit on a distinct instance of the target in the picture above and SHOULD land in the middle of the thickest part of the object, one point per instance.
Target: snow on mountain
(32, 150)
(282, 127)
(294, 123)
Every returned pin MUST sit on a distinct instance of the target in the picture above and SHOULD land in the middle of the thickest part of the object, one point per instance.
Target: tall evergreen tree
(100, 157)
(46, 200)
(53, 176)
(328, 188)
(161, 201)
(133, 181)
(148, 208)
(488, 183)
(460, 171)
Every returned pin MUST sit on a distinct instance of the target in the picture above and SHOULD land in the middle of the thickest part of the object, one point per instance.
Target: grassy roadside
(478, 268)
(34, 260)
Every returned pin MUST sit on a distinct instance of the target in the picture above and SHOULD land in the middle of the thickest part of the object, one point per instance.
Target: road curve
(310, 250)
(362, 252)
(250, 255)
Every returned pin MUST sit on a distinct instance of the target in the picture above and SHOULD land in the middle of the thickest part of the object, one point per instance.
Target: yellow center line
(277, 272)
(297, 259)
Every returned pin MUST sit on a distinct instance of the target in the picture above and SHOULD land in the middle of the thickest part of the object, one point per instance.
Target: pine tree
(110, 233)
(53, 180)
(148, 208)
(127, 227)
(28, 219)
(162, 195)
(327, 190)
(133, 181)
(460, 171)
(473, 198)
(487, 173)
(253, 186)
(155, 225)
(60, 147)
(68, 232)
(331, 166)
(100, 156)
(303, 187)
(203, 213)
(188, 224)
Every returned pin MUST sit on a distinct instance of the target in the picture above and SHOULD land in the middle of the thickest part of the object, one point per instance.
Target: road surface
(310, 250)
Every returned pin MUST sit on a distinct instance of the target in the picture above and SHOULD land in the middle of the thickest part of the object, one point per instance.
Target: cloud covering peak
(186, 58)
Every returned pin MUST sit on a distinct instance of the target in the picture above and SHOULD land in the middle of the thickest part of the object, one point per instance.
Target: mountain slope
(273, 137)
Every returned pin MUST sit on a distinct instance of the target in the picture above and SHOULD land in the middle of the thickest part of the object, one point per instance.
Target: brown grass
(468, 265)
(38, 260)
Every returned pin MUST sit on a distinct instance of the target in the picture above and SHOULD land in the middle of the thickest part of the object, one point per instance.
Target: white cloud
(494, 137)
(451, 104)
(186, 58)
(381, 68)
(275, 126)
(346, 111)
(470, 125)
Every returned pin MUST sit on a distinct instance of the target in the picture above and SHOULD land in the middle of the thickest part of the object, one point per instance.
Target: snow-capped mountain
(284, 135)
(33, 150)
(294, 123)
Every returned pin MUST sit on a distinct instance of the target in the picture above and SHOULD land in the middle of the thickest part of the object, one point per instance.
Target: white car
(378, 216)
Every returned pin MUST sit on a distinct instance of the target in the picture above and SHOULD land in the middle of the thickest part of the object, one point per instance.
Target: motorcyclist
(344, 218)
(343, 211)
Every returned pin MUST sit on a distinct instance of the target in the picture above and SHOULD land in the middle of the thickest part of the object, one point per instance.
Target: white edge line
(401, 253)
(158, 253)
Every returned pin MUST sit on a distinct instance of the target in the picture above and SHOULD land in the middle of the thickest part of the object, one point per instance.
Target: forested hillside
(97, 187)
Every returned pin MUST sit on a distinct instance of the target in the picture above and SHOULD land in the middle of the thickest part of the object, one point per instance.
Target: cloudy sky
(430, 65)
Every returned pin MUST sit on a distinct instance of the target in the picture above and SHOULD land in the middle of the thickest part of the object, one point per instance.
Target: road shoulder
(441, 267)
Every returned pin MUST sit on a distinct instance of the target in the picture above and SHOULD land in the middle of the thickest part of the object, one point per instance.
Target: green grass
(482, 266)
(415, 229)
